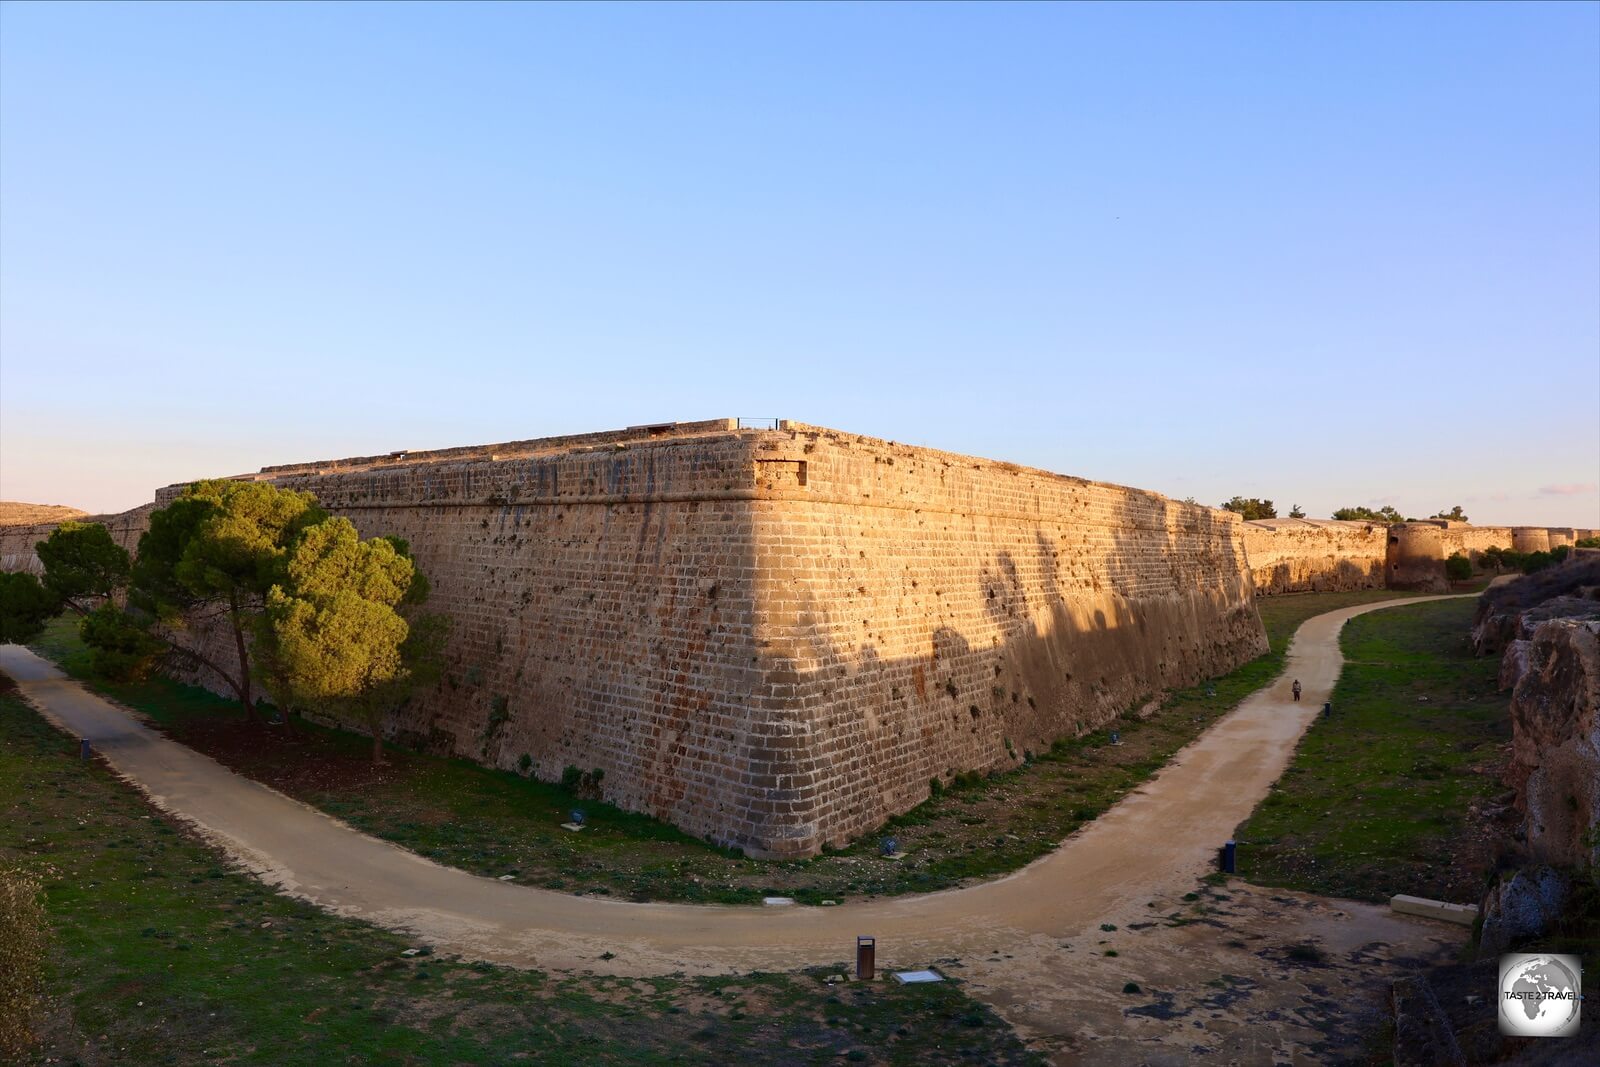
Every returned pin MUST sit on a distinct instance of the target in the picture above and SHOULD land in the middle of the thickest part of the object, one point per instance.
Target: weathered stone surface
(1521, 908)
(1512, 611)
(17, 541)
(775, 638)
(1555, 762)
(1305, 555)
(1514, 664)
(1415, 558)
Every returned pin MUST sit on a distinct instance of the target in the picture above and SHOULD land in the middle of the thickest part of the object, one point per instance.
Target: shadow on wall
(1034, 648)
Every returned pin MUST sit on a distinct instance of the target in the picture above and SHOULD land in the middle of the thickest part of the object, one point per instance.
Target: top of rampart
(773, 437)
(513, 449)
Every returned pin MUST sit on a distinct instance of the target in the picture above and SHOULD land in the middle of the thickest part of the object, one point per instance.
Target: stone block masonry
(777, 639)
(1314, 555)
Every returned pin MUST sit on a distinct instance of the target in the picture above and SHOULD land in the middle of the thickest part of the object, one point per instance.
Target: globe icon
(1540, 995)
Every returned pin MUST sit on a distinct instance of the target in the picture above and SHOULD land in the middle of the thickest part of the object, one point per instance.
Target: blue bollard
(1229, 856)
(83, 748)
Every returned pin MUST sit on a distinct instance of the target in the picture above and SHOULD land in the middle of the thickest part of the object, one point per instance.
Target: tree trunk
(377, 746)
(242, 686)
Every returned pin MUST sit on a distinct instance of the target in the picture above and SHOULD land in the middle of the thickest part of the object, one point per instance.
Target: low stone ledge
(1463, 914)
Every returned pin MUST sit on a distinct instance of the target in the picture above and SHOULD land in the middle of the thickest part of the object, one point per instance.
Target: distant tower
(1415, 558)
(1530, 539)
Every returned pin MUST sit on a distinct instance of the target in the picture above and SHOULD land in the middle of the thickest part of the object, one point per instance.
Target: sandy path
(1151, 846)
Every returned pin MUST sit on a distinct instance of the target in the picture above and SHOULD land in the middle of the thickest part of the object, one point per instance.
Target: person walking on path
(1296, 688)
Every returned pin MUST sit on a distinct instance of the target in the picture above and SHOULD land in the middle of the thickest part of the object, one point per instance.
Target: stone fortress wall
(1321, 555)
(1305, 555)
(776, 638)
(17, 542)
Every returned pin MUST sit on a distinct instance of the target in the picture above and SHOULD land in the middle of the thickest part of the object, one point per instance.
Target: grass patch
(159, 955)
(499, 822)
(1376, 800)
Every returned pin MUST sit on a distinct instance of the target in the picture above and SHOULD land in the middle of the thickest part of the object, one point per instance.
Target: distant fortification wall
(1472, 541)
(17, 542)
(1305, 555)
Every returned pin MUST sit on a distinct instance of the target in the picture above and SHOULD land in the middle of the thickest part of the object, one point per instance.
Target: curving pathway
(1156, 842)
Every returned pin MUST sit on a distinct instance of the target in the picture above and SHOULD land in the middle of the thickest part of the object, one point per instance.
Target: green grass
(497, 823)
(1282, 615)
(1376, 800)
(161, 955)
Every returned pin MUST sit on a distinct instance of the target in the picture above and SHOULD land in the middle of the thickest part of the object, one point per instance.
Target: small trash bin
(1229, 856)
(866, 958)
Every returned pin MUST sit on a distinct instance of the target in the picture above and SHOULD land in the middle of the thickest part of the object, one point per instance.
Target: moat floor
(1218, 973)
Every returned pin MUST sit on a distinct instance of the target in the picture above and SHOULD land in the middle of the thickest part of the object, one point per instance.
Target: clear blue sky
(1325, 254)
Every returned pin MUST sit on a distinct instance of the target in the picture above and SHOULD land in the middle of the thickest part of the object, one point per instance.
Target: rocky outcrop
(1514, 664)
(1521, 908)
(1511, 612)
(1555, 760)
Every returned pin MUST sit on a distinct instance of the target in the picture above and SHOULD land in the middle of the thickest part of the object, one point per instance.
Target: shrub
(22, 937)
(1535, 561)
(582, 783)
(1458, 568)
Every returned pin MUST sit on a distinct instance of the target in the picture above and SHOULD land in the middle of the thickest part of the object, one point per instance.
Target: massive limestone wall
(1472, 541)
(776, 639)
(922, 613)
(1305, 555)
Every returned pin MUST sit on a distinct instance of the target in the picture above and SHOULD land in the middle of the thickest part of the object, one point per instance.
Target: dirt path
(1146, 852)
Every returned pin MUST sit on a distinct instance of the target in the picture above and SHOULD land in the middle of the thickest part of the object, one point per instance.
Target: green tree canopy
(82, 562)
(1384, 514)
(333, 638)
(1251, 507)
(1455, 514)
(1297, 512)
(212, 554)
(25, 606)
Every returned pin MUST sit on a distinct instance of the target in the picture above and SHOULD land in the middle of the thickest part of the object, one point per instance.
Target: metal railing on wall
(760, 424)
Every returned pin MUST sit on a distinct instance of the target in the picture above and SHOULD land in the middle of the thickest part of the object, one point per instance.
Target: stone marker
(912, 977)
(1465, 914)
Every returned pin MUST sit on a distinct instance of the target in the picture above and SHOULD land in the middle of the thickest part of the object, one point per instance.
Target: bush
(22, 937)
(1458, 568)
